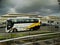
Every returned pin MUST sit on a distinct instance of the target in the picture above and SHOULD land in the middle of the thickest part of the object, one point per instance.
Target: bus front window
(9, 24)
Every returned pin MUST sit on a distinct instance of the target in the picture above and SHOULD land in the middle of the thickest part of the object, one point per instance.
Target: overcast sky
(42, 7)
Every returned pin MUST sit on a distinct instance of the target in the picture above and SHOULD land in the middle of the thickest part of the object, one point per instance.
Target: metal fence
(50, 28)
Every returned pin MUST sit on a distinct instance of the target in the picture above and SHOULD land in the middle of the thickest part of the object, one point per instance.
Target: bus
(22, 24)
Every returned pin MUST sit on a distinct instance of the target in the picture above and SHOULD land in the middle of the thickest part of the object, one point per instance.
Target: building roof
(7, 15)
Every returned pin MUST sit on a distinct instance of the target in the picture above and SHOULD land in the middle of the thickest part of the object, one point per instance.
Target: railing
(37, 36)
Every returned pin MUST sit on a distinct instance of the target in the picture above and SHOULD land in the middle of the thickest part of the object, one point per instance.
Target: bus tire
(36, 28)
(14, 30)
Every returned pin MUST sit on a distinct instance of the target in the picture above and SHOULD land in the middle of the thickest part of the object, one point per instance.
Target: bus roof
(23, 18)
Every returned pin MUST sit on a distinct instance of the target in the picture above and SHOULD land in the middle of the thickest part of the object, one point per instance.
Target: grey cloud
(44, 7)
(36, 6)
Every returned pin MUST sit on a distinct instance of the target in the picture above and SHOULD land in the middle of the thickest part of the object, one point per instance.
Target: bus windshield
(9, 24)
(24, 20)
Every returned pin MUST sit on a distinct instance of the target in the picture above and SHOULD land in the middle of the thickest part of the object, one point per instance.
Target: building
(59, 2)
(4, 17)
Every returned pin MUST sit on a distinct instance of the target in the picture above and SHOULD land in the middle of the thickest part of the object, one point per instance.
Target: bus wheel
(14, 30)
(37, 27)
